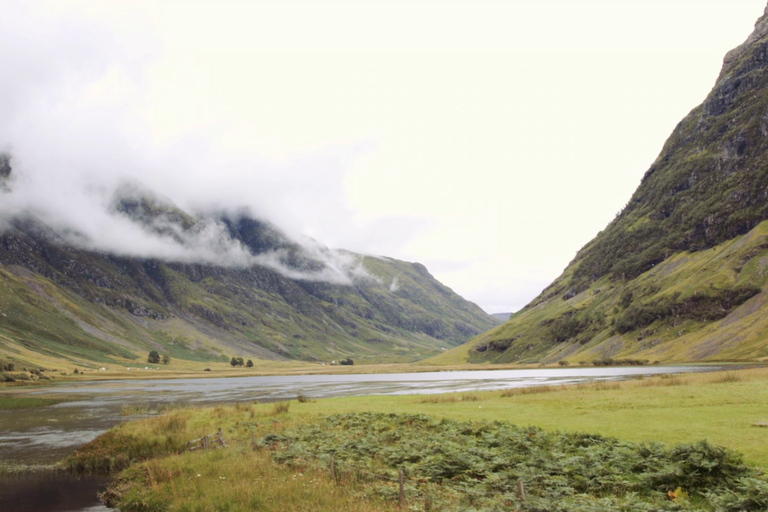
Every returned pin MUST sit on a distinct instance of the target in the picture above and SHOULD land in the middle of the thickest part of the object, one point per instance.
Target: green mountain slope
(680, 272)
(84, 305)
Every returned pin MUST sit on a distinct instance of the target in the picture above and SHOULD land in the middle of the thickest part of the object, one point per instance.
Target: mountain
(680, 274)
(232, 285)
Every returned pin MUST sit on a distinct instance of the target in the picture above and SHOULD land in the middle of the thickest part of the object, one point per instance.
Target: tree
(240, 361)
(249, 364)
(166, 359)
(153, 357)
(233, 361)
(347, 362)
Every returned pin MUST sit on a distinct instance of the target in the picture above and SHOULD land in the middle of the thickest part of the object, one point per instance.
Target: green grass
(480, 463)
(676, 410)
(10, 403)
(234, 480)
(722, 408)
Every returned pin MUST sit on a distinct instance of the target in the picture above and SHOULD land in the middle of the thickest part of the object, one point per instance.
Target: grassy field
(726, 408)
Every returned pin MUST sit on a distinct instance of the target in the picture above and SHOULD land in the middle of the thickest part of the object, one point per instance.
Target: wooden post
(205, 442)
(521, 489)
(221, 439)
(401, 478)
(333, 467)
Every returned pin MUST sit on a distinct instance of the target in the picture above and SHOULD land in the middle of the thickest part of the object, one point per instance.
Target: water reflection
(51, 492)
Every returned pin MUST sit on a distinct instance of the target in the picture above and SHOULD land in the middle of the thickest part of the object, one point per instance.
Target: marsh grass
(726, 377)
(10, 403)
(235, 480)
(533, 390)
(145, 409)
(664, 380)
(599, 385)
(280, 408)
(451, 398)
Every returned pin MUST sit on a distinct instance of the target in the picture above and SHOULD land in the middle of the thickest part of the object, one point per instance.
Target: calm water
(45, 435)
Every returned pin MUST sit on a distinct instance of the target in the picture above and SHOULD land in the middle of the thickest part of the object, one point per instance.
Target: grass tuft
(280, 408)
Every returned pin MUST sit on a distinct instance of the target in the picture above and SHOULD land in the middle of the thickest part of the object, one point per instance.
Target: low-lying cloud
(70, 97)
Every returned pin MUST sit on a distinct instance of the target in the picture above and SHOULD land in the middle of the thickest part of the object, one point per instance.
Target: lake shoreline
(166, 373)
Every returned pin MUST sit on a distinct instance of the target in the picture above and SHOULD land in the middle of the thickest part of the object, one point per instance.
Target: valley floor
(728, 409)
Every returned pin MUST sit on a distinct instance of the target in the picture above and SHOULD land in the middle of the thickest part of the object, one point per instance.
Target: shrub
(153, 357)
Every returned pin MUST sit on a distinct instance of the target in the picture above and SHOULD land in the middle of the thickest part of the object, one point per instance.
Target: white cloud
(487, 140)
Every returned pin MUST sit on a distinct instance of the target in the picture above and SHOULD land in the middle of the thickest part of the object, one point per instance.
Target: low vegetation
(477, 465)
(656, 443)
(8, 403)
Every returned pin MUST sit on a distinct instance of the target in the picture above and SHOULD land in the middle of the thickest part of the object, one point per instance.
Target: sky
(488, 140)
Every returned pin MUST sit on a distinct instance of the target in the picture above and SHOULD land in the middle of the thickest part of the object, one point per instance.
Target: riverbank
(193, 370)
(725, 408)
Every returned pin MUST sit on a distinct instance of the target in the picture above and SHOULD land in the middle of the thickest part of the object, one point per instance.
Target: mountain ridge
(628, 293)
(271, 298)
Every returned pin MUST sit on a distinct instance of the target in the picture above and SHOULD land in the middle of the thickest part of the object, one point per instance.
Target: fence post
(401, 478)
(205, 442)
(521, 489)
(333, 467)
(221, 439)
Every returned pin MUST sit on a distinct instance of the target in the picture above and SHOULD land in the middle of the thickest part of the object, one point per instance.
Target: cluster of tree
(155, 358)
(347, 362)
(238, 361)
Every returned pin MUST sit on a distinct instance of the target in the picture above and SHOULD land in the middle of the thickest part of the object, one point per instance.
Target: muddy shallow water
(44, 435)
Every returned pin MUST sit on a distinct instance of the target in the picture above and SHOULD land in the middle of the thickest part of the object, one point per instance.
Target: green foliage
(249, 364)
(347, 362)
(561, 471)
(574, 324)
(153, 357)
(122, 446)
(13, 403)
(704, 307)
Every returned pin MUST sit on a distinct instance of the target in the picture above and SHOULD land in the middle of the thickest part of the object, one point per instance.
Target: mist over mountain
(121, 271)
(680, 273)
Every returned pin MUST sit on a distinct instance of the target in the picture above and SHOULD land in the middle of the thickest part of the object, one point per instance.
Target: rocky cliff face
(702, 204)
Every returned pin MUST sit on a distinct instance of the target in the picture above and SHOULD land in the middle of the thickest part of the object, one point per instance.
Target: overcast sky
(488, 140)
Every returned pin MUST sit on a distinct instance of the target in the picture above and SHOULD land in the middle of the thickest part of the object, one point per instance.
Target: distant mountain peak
(760, 32)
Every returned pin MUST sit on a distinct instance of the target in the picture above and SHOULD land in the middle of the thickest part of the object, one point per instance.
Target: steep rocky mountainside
(680, 273)
(288, 303)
